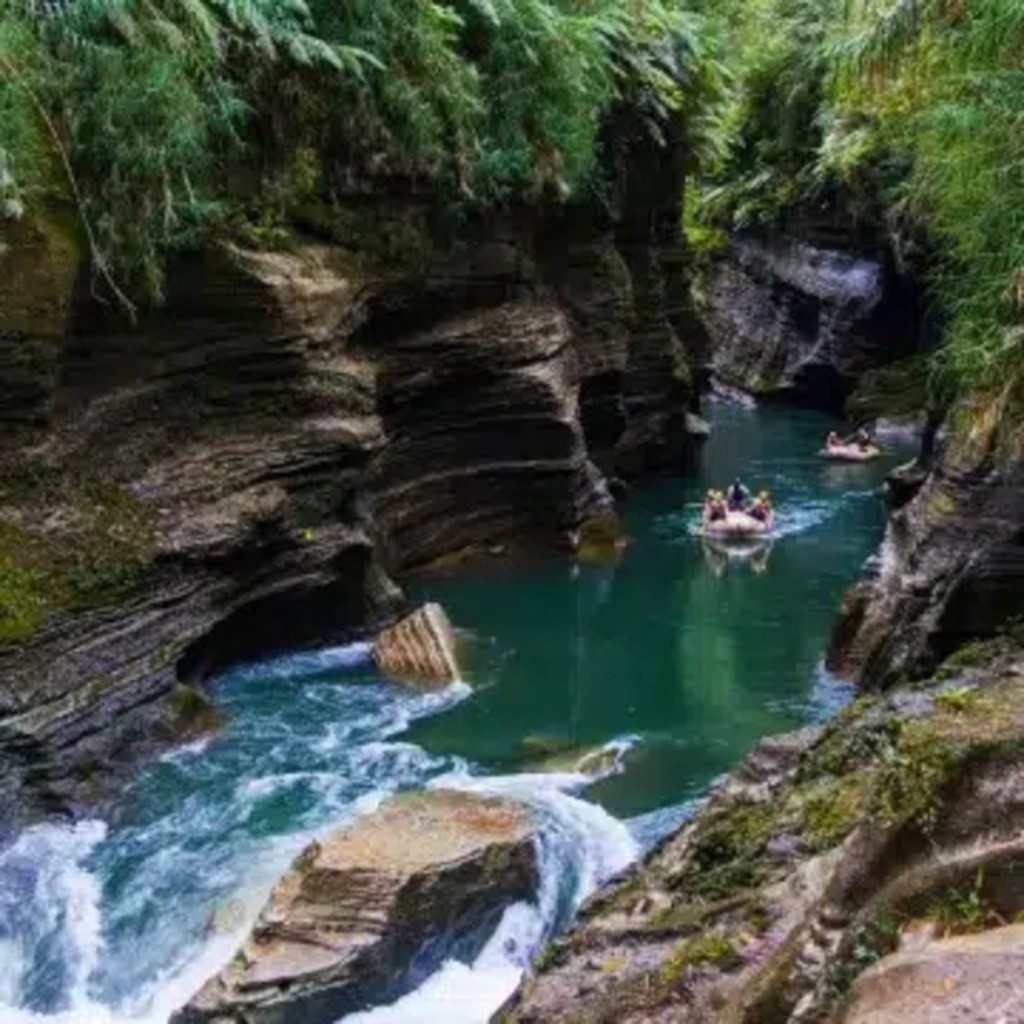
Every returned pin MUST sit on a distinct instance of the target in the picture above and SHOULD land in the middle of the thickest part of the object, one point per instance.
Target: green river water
(671, 663)
(687, 654)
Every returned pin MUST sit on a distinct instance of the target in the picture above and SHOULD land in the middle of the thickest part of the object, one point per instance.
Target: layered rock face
(886, 838)
(484, 437)
(196, 500)
(367, 912)
(250, 468)
(419, 649)
(793, 320)
(951, 565)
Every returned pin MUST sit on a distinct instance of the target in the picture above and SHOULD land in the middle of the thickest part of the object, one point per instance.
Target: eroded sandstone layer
(427, 874)
(251, 467)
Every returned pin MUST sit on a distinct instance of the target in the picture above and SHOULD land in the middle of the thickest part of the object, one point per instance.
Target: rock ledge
(366, 912)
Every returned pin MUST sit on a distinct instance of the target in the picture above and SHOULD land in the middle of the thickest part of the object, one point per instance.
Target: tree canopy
(148, 113)
(165, 120)
(904, 113)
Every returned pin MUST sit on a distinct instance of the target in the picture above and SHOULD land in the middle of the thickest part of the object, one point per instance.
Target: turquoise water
(693, 654)
(669, 664)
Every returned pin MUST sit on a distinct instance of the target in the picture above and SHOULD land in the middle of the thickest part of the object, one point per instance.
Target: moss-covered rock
(898, 391)
(85, 549)
(40, 259)
(806, 868)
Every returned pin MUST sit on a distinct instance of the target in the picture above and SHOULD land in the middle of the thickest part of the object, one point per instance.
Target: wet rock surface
(366, 912)
(951, 563)
(823, 853)
(792, 320)
(420, 648)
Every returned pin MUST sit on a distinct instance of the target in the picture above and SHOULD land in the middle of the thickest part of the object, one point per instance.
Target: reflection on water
(719, 556)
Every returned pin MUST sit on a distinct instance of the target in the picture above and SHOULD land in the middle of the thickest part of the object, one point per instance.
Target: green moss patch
(193, 713)
(896, 391)
(972, 655)
(713, 948)
(830, 808)
(726, 857)
(89, 554)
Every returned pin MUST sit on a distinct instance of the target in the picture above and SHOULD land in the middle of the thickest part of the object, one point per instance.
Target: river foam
(104, 926)
(579, 847)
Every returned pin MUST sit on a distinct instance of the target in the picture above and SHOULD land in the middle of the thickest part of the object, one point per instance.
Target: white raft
(738, 526)
(850, 453)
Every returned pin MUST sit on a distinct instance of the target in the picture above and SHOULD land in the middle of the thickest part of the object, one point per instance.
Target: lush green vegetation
(901, 113)
(162, 120)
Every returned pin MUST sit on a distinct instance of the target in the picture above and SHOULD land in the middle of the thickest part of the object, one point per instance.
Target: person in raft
(738, 496)
(832, 441)
(762, 507)
(714, 506)
(863, 439)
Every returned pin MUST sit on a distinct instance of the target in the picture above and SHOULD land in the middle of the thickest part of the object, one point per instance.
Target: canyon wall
(950, 567)
(794, 319)
(251, 467)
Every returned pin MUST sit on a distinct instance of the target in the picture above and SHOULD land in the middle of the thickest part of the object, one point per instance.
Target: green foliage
(908, 113)
(713, 948)
(963, 911)
(959, 699)
(162, 120)
(913, 775)
(864, 947)
(975, 654)
(831, 807)
(769, 130)
(727, 855)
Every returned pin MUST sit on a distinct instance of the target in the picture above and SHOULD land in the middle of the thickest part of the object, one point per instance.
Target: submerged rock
(366, 912)
(420, 648)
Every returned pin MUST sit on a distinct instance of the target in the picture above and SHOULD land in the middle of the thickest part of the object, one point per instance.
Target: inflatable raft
(850, 453)
(738, 526)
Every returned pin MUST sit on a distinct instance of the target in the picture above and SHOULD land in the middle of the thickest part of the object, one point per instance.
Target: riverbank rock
(951, 566)
(814, 860)
(367, 912)
(793, 320)
(973, 979)
(419, 649)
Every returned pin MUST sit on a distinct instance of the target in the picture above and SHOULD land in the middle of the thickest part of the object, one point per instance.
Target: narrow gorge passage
(655, 675)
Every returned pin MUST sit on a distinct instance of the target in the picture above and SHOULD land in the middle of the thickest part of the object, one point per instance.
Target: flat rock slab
(419, 649)
(971, 979)
(367, 911)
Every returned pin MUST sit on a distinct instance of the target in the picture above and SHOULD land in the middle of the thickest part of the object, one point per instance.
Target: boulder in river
(367, 912)
(419, 648)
